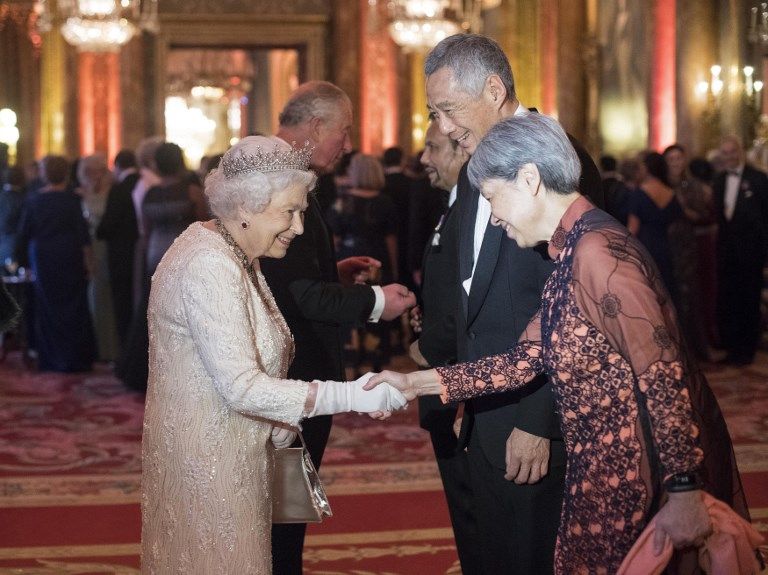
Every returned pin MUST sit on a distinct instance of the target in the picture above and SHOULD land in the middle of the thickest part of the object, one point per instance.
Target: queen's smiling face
(270, 232)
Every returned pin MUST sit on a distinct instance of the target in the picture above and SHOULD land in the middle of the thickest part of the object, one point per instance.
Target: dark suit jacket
(398, 187)
(505, 294)
(745, 236)
(306, 289)
(439, 302)
(119, 228)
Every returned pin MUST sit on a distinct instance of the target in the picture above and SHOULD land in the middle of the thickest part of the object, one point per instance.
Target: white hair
(251, 191)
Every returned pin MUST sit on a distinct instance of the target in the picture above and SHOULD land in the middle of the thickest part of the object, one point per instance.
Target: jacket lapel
(486, 264)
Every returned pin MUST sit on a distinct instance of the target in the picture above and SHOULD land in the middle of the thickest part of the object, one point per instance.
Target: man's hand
(527, 457)
(415, 354)
(356, 269)
(415, 319)
(397, 300)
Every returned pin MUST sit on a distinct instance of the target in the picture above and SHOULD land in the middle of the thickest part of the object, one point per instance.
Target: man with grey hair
(317, 296)
(515, 450)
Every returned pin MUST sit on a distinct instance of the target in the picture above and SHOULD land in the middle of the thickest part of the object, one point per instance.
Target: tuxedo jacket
(305, 286)
(439, 303)
(505, 295)
(745, 236)
(119, 227)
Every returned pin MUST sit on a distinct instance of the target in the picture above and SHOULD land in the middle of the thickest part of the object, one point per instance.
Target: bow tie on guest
(734, 173)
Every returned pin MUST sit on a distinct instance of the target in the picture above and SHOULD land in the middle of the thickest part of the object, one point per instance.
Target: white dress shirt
(732, 182)
(483, 215)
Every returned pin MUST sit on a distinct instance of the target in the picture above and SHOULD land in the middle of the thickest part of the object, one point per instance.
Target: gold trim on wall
(307, 34)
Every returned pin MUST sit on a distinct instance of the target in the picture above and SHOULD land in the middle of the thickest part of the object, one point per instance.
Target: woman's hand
(411, 384)
(283, 437)
(683, 520)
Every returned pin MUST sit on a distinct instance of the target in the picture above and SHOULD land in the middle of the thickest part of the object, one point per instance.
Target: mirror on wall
(215, 96)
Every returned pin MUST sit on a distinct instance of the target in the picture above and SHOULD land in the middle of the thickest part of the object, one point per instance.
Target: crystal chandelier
(421, 24)
(98, 25)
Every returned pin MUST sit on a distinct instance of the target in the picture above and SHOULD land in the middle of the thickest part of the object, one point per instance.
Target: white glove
(341, 396)
(283, 437)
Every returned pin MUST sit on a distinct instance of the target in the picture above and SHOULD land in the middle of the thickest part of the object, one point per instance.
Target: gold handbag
(297, 494)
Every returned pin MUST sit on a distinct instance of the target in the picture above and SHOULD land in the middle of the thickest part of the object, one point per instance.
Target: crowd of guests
(705, 223)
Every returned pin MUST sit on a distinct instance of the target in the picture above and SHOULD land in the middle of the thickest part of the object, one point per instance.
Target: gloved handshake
(341, 396)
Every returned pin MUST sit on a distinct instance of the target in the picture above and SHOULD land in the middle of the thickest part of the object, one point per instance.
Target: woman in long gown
(217, 402)
(643, 432)
(54, 239)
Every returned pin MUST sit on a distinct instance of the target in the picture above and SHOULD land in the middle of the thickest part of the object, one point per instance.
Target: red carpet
(70, 473)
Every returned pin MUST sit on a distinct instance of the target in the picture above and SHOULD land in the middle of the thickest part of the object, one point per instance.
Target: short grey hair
(472, 58)
(530, 139)
(315, 99)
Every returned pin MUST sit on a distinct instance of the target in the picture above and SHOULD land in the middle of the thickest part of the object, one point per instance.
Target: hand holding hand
(355, 269)
(415, 319)
(683, 520)
(397, 299)
(527, 457)
(341, 396)
(283, 436)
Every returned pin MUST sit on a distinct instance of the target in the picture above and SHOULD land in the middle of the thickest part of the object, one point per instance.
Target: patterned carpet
(70, 479)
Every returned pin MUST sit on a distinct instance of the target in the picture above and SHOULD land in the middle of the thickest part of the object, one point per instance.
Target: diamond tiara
(261, 161)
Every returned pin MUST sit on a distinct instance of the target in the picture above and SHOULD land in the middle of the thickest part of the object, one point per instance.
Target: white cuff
(378, 307)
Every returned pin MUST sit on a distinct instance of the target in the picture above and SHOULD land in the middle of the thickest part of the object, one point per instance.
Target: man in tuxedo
(515, 451)
(119, 228)
(317, 295)
(741, 203)
(436, 346)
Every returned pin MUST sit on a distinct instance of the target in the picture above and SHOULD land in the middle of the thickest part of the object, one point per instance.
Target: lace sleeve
(619, 290)
(215, 301)
(496, 373)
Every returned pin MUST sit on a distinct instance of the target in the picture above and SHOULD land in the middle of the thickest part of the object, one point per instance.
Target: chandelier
(98, 25)
(421, 24)
(757, 32)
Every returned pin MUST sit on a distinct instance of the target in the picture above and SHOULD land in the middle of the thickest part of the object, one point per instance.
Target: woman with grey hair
(642, 430)
(218, 403)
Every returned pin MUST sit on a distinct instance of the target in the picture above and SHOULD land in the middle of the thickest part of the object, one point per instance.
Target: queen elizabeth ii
(217, 402)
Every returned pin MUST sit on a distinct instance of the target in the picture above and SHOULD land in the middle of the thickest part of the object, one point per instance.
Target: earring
(245, 225)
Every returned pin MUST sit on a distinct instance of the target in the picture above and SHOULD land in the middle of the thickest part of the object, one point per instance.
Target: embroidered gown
(632, 409)
(219, 349)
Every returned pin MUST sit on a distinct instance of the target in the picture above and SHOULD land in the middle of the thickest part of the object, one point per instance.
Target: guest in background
(427, 206)
(12, 194)
(652, 208)
(365, 224)
(95, 181)
(616, 191)
(741, 205)
(54, 240)
(397, 185)
(696, 202)
(119, 229)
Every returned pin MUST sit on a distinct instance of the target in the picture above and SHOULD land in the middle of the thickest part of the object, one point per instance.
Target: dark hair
(672, 148)
(392, 157)
(608, 163)
(55, 169)
(656, 166)
(125, 159)
(169, 159)
(701, 169)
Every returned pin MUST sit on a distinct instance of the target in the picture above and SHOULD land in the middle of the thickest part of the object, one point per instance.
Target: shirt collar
(578, 208)
(452, 195)
(737, 172)
(521, 110)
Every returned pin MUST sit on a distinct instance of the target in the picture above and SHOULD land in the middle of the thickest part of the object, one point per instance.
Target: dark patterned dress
(607, 336)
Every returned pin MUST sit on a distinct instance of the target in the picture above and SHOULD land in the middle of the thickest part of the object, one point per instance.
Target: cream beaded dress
(218, 351)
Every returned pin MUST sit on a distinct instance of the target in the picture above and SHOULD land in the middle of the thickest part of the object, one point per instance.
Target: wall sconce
(713, 89)
(9, 133)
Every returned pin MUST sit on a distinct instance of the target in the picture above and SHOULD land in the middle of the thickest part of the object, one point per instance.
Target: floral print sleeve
(619, 290)
(496, 373)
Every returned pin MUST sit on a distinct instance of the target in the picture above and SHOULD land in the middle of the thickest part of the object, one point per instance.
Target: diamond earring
(245, 225)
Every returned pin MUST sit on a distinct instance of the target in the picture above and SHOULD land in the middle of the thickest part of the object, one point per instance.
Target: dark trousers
(454, 473)
(517, 524)
(738, 309)
(288, 538)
